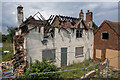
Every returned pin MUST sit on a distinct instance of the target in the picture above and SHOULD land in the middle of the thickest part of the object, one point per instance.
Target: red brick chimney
(81, 14)
(89, 16)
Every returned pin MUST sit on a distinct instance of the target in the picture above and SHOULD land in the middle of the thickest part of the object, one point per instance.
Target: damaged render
(61, 38)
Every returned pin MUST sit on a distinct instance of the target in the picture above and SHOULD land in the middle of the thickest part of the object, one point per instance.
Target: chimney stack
(19, 15)
(81, 14)
(89, 16)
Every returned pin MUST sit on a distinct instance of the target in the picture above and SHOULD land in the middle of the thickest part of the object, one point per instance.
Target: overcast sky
(101, 11)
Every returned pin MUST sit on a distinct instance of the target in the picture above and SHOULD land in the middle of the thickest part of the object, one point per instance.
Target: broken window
(105, 36)
(78, 33)
(44, 42)
(48, 54)
(78, 51)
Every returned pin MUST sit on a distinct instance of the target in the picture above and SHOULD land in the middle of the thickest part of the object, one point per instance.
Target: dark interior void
(105, 36)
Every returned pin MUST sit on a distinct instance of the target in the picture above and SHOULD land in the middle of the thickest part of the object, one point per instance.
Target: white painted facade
(34, 46)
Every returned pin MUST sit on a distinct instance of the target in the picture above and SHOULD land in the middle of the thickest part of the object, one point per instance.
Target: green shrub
(41, 67)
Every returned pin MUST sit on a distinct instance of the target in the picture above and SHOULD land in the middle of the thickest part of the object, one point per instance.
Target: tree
(95, 26)
(11, 33)
(4, 38)
(0, 37)
(40, 67)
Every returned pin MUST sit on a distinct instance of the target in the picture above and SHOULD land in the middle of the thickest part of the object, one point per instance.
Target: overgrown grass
(80, 73)
(76, 73)
(7, 47)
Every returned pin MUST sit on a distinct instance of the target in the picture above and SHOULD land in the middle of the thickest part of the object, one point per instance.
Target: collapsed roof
(63, 21)
(70, 22)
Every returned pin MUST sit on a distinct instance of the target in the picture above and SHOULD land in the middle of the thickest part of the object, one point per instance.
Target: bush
(41, 67)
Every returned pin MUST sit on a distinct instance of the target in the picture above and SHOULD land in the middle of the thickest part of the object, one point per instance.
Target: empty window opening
(78, 33)
(78, 51)
(105, 36)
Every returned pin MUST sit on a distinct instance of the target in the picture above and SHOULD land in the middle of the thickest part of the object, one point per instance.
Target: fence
(99, 70)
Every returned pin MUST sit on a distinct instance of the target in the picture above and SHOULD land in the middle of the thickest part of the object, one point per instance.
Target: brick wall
(112, 43)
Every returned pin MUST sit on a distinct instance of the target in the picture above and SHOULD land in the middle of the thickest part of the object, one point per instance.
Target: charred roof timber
(64, 21)
(66, 18)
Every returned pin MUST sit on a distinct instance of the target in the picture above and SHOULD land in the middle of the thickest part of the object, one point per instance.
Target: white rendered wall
(34, 45)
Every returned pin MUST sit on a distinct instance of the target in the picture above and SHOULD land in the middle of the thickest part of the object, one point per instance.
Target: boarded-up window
(98, 53)
(48, 54)
(79, 51)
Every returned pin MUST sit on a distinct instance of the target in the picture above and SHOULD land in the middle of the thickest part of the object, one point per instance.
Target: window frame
(102, 35)
(79, 34)
(80, 55)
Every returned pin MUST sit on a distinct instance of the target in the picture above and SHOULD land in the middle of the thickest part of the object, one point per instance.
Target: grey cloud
(101, 10)
(61, 1)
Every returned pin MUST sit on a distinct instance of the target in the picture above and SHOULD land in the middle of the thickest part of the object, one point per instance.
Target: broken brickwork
(113, 39)
(19, 62)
